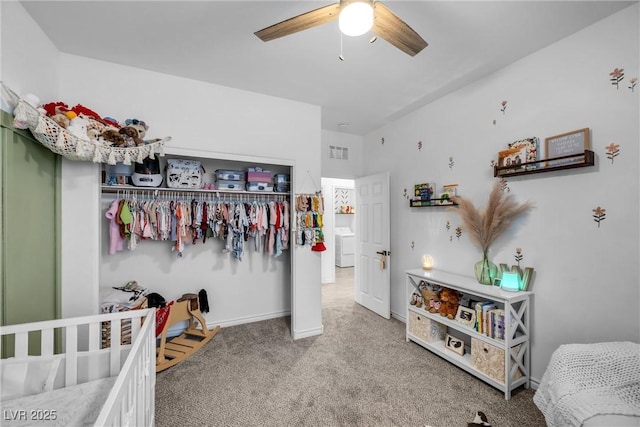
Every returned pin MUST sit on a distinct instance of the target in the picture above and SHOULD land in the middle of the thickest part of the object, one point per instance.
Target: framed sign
(567, 144)
(466, 316)
(454, 344)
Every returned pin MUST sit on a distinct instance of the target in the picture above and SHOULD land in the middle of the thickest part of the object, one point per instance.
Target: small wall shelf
(432, 203)
(571, 161)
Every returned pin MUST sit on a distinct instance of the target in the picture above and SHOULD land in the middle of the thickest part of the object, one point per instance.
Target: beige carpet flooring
(359, 372)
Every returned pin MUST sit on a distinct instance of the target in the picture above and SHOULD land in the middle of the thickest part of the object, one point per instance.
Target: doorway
(337, 262)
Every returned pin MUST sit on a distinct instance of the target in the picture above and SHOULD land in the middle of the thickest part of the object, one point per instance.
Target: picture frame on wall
(454, 344)
(466, 316)
(572, 144)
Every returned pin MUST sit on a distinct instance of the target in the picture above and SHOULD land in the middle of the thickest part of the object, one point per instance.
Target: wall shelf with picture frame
(431, 203)
(424, 196)
(570, 161)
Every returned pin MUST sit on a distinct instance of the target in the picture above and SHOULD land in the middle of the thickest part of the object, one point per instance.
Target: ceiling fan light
(356, 19)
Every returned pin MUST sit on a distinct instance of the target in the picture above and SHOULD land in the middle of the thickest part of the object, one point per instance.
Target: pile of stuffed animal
(437, 299)
(86, 124)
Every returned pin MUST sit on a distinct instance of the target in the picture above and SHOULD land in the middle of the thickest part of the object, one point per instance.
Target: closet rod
(140, 190)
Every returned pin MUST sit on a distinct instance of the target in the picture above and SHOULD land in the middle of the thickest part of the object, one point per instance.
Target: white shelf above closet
(145, 190)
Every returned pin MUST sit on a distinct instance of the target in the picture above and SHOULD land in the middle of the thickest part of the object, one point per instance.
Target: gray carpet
(360, 372)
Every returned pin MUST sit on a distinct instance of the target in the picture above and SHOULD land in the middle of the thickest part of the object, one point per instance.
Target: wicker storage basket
(125, 327)
(48, 133)
(489, 359)
(426, 329)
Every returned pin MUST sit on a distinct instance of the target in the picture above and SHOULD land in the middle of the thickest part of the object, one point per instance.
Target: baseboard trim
(535, 383)
(308, 333)
(248, 319)
(178, 328)
(401, 318)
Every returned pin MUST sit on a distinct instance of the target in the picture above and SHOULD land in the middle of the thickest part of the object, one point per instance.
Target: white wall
(29, 60)
(217, 122)
(586, 287)
(335, 168)
(337, 173)
(203, 120)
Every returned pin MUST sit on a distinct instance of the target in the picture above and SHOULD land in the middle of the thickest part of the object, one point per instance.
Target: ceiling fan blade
(301, 22)
(394, 30)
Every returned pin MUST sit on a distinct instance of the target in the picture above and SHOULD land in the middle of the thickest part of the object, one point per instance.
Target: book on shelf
(531, 146)
(486, 322)
(497, 323)
(512, 159)
(481, 308)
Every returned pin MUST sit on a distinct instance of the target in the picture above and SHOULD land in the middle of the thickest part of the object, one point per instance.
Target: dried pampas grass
(484, 227)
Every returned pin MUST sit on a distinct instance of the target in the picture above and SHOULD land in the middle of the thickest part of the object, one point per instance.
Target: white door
(373, 261)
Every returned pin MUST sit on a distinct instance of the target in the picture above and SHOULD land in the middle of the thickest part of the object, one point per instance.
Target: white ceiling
(213, 41)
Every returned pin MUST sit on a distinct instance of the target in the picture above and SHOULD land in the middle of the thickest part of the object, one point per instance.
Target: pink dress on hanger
(116, 242)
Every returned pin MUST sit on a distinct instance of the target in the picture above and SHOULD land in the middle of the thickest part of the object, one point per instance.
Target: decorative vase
(485, 270)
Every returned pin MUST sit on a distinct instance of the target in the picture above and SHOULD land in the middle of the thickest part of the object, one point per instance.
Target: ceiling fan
(366, 14)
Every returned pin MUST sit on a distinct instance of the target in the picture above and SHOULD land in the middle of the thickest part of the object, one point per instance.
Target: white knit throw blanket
(585, 380)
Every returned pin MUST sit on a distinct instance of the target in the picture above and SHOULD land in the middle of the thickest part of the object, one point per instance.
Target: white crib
(93, 381)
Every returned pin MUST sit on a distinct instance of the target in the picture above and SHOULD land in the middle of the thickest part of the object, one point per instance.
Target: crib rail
(132, 398)
(131, 401)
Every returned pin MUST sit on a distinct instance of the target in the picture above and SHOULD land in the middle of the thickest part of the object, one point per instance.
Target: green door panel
(30, 229)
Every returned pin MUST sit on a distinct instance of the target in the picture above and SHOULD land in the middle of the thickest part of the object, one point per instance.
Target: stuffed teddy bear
(93, 134)
(138, 125)
(431, 300)
(111, 137)
(131, 136)
(449, 300)
(61, 119)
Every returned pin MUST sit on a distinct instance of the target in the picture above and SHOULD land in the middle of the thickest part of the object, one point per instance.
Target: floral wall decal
(413, 244)
(451, 163)
(458, 232)
(504, 185)
(405, 194)
(599, 215)
(448, 225)
(450, 239)
(504, 106)
(518, 256)
(494, 122)
(632, 84)
(617, 75)
(419, 145)
(382, 140)
(612, 151)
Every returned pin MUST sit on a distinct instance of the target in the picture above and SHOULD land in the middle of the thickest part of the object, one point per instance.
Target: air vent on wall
(338, 153)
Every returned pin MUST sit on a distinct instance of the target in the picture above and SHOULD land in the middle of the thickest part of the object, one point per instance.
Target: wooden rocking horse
(170, 353)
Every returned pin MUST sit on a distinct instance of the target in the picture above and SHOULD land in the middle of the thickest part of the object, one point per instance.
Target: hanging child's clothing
(187, 222)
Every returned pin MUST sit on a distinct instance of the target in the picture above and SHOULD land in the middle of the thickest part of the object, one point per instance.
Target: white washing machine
(345, 247)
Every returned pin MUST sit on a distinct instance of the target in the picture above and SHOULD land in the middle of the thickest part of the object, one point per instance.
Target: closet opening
(245, 279)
